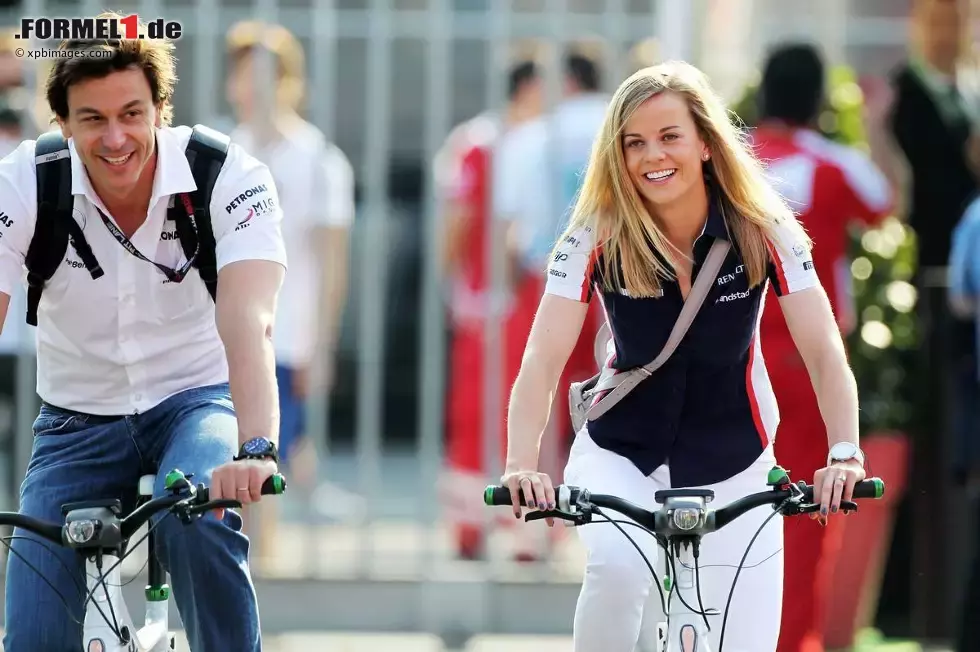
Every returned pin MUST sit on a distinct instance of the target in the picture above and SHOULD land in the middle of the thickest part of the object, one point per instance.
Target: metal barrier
(422, 66)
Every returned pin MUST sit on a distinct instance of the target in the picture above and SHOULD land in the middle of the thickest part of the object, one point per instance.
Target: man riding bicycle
(139, 355)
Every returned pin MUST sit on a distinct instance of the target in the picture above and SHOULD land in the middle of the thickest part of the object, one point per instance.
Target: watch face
(257, 446)
(843, 450)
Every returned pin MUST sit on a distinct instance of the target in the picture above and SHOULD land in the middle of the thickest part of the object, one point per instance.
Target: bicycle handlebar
(577, 501)
(198, 503)
(99, 519)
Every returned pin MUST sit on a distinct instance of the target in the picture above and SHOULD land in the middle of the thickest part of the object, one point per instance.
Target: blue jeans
(86, 457)
(292, 414)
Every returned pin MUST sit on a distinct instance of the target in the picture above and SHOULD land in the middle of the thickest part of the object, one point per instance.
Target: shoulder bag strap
(623, 383)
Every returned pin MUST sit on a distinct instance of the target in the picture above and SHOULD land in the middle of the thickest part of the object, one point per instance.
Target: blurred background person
(570, 132)
(830, 187)
(537, 171)
(936, 128)
(316, 187)
(544, 169)
(964, 299)
(15, 98)
(16, 337)
(485, 146)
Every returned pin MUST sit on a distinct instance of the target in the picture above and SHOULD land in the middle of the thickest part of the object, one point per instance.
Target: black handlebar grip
(274, 485)
(495, 496)
(870, 488)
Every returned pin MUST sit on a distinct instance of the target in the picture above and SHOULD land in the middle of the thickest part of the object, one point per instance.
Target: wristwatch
(258, 448)
(843, 451)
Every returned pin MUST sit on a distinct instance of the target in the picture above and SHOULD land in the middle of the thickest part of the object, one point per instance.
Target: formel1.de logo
(62, 29)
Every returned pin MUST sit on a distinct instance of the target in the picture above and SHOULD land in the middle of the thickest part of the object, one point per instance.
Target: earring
(705, 156)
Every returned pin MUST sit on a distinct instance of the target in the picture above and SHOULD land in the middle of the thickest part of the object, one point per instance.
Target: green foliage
(881, 346)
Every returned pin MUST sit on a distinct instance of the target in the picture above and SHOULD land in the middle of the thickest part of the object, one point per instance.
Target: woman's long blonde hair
(609, 203)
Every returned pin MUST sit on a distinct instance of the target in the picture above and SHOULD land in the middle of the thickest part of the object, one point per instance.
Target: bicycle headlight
(687, 518)
(83, 531)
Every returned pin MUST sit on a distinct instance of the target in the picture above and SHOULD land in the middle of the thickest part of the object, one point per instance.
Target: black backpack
(206, 151)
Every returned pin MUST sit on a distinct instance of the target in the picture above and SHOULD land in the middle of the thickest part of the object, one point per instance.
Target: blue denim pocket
(52, 421)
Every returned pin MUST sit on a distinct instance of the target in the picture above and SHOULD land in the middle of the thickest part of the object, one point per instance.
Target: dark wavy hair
(155, 57)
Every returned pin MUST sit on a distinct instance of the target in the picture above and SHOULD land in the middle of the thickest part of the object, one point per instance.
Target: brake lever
(848, 506)
(565, 516)
(811, 508)
(182, 511)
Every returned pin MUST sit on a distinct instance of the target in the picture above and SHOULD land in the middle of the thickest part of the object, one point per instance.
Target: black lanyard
(173, 275)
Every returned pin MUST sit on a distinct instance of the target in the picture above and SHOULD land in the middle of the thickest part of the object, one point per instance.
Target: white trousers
(619, 602)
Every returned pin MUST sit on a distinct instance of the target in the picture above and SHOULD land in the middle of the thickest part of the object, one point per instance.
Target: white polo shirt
(316, 187)
(123, 343)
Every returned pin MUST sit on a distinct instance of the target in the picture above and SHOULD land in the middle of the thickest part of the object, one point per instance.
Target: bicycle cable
(656, 580)
(750, 566)
(5, 541)
(744, 567)
(113, 624)
(670, 566)
(135, 575)
(683, 565)
(704, 614)
(745, 555)
(672, 570)
(697, 588)
(102, 579)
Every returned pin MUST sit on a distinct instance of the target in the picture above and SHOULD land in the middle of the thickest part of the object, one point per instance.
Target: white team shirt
(316, 187)
(125, 342)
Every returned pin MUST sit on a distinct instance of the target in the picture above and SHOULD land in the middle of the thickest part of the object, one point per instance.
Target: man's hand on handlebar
(241, 481)
(536, 488)
(835, 483)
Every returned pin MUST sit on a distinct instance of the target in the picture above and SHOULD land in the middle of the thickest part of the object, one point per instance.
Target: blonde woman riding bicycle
(670, 175)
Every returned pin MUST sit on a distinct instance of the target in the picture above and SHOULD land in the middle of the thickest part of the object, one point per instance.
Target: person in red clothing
(831, 187)
(468, 226)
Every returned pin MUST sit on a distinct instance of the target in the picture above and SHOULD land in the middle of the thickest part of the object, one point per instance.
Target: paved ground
(369, 642)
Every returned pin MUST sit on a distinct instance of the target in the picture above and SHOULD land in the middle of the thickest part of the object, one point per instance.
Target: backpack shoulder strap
(206, 152)
(55, 221)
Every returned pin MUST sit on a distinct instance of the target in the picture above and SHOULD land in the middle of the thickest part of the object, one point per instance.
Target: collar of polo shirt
(172, 176)
(715, 224)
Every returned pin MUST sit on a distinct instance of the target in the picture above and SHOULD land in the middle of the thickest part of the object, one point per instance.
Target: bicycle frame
(686, 631)
(106, 590)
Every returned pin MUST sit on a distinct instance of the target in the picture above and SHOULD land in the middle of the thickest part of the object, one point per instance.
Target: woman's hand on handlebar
(835, 483)
(536, 489)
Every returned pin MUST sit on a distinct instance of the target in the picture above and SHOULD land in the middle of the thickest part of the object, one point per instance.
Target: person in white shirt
(542, 164)
(315, 181)
(17, 344)
(139, 370)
